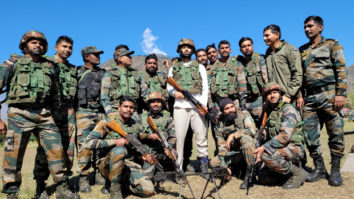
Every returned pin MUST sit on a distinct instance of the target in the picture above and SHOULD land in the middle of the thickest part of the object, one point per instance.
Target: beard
(183, 56)
(36, 51)
(229, 118)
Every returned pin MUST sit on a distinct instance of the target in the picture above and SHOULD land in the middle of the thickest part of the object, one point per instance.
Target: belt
(320, 89)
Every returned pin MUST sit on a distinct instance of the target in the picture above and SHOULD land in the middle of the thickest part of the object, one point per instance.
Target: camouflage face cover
(270, 87)
(187, 42)
(155, 95)
(33, 34)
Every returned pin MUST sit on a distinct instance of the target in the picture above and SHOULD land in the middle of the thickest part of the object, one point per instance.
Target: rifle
(115, 126)
(194, 101)
(215, 172)
(258, 143)
(179, 174)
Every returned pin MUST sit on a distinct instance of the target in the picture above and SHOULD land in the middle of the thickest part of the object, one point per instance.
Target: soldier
(153, 80)
(120, 79)
(32, 83)
(256, 76)
(235, 135)
(164, 123)
(191, 76)
(201, 57)
(90, 111)
(212, 54)
(116, 154)
(325, 90)
(283, 63)
(64, 116)
(227, 77)
(282, 147)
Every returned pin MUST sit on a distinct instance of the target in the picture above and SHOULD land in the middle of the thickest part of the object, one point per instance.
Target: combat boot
(204, 167)
(243, 185)
(320, 171)
(12, 195)
(99, 179)
(41, 192)
(63, 192)
(116, 190)
(296, 179)
(84, 184)
(335, 179)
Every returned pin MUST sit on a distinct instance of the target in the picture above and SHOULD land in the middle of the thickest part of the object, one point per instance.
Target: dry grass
(319, 189)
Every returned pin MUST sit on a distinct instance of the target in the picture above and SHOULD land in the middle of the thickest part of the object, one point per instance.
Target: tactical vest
(254, 77)
(274, 122)
(32, 82)
(130, 128)
(124, 82)
(160, 122)
(224, 79)
(237, 125)
(188, 77)
(89, 83)
(68, 80)
(155, 83)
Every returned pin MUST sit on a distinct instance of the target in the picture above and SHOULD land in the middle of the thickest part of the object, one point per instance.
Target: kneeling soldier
(283, 147)
(235, 134)
(117, 154)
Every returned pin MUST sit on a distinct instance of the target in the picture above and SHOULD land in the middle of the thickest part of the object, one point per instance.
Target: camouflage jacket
(256, 74)
(284, 68)
(118, 82)
(284, 126)
(164, 123)
(101, 137)
(243, 125)
(153, 83)
(324, 64)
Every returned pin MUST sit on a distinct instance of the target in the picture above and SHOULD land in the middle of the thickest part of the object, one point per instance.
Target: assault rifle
(194, 101)
(258, 143)
(178, 174)
(115, 126)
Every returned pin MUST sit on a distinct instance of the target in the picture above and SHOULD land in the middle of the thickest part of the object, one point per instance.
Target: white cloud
(149, 45)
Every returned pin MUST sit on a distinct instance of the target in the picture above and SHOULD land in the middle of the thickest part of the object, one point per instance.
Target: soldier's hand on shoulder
(286, 99)
(3, 128)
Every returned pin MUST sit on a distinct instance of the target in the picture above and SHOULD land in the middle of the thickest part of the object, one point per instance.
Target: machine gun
(258, 143)
(178, 174)
(194, 101)
(115, 126)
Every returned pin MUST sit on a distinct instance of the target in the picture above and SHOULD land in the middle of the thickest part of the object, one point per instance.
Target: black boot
(63, 192)
(41, 192)
(204, 167)
(320, 171)
(297, 177)
(335, 179)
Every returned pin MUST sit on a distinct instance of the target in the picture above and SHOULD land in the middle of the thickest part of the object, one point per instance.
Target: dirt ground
(319, 189)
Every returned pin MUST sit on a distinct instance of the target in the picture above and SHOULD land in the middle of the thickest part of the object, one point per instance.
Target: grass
(319, 189)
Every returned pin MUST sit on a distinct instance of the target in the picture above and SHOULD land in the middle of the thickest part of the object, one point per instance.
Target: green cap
(122, 51)
(90, 50)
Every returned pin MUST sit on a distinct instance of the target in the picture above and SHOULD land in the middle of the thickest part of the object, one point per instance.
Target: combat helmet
(188, 42)
(155, 95)
(33, 34)
(270, 87)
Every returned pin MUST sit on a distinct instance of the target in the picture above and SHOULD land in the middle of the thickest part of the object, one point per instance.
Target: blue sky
(106, 24)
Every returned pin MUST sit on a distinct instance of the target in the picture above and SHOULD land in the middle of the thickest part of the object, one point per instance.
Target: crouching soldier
(283, 147)
(235, 137)
(117, 154)
(164, 123)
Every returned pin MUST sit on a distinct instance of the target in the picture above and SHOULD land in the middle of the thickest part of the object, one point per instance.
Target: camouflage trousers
(22, 122)
(255, 108)
(85, 123)
(241, 148)
(67, 128)
(116, 168)
(319, 110)
(283, 158)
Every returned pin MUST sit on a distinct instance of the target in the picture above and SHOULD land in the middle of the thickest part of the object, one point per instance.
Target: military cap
(90, 50)
(155, 95)
(122, 51)
(187, 42)
(270, 87)
(33, 34)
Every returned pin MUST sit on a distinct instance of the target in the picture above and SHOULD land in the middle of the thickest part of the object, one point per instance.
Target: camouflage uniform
(228, 81)
(256, 76)
(119, 82)
(65, 122)
(115, 157)
(284, 143)
(89, 112)
(151, 83)
(31, 86)
(164, 124)
(324, 78)
(284, 68)
(244, 130)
